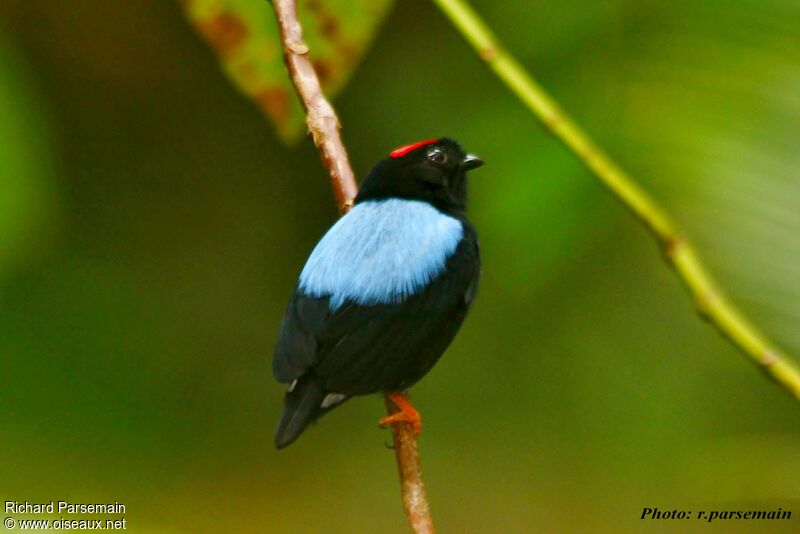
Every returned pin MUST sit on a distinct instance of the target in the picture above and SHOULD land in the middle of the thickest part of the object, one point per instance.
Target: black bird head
(433, 171)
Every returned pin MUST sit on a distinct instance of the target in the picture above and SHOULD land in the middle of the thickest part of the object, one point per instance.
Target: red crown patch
(405, 149)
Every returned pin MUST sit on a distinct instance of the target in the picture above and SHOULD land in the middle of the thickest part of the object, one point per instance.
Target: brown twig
(324, 127)
(320, 115)
(415, 500)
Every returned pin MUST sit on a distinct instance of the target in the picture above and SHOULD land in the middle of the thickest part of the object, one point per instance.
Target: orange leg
(407, 414)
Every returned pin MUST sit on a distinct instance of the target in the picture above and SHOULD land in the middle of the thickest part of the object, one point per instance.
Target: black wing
(297, 345)
(358, 349)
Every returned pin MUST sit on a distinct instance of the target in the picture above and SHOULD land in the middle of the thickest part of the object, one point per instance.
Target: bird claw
(407, 414)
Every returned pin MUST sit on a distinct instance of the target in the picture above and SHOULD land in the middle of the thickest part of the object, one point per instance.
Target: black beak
(471, 161)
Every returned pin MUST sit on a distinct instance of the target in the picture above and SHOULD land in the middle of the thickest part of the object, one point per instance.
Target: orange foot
(407, 414)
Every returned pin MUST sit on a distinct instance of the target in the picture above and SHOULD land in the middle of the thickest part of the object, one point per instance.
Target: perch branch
(710, 301)
(415, 501)
(324, 127)
(320, 115)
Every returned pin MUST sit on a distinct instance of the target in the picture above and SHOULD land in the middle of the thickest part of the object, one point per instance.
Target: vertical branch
(320, 115)
(324, 127)
(415, 500)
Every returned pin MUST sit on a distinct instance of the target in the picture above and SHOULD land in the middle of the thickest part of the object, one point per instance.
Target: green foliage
(135, 348)
(244, 35)
(25, 166)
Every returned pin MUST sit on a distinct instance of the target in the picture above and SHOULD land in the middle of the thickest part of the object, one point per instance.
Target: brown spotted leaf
(244, 35)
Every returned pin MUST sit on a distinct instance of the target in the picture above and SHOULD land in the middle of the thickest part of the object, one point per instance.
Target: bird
(384, 291)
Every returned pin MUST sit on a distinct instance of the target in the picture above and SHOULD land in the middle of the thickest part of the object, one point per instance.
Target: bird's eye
(437, 155)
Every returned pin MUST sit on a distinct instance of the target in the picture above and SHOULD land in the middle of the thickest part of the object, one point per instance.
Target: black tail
(301, 406)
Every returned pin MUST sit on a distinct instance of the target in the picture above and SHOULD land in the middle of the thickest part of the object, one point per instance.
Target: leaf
(244, 36)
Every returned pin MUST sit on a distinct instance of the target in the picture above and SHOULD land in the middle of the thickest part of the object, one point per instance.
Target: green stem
(710, 300)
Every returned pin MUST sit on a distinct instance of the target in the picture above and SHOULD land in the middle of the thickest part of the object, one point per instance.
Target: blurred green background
(152, 226)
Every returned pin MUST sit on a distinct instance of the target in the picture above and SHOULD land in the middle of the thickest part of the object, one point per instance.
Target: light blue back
(382, 251)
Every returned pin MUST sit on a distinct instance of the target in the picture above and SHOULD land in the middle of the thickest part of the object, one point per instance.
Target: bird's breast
(382, 251)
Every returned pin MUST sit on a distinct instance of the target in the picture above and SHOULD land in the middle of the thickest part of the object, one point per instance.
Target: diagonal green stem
(710, 300)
